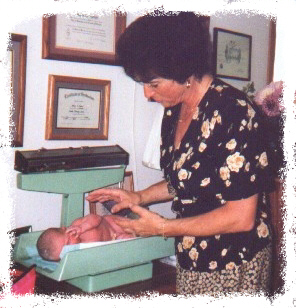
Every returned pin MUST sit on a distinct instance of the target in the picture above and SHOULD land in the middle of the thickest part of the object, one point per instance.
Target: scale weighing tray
(98, 268)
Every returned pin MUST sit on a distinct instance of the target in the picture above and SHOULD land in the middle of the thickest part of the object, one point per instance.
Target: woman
(213, 157)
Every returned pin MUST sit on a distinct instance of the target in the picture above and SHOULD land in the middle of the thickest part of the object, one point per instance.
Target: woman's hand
(148, 223)
(124, 199)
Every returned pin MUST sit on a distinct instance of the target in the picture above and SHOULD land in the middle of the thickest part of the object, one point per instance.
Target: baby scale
(73, 172)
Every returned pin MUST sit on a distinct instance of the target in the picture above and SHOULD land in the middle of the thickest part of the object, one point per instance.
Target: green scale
(73, 172)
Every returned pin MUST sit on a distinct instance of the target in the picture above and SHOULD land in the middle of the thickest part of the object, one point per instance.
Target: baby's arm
(84, 224)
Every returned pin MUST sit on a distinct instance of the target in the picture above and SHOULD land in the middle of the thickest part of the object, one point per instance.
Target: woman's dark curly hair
(171, 46)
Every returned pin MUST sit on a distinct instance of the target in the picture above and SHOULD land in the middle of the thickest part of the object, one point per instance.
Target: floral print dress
(222, 157)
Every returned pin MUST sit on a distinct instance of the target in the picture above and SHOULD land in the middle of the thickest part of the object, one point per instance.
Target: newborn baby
(91, 228)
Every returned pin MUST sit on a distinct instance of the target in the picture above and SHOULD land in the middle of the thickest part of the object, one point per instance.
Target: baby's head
(51, 243)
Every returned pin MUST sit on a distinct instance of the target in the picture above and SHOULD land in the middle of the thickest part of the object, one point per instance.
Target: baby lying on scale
(91, 228)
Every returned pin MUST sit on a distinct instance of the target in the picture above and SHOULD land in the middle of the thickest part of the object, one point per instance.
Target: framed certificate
(17, 57)
(232, 54)
(82, 38)
(77, 108)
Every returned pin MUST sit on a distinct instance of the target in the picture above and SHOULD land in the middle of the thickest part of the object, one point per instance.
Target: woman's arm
(234, 216)
(127, 199)
(155, 193)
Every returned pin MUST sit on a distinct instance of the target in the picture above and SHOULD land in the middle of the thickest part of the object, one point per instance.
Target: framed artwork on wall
(18, 57)
(77, 108)
(82, 38)
(232, 54)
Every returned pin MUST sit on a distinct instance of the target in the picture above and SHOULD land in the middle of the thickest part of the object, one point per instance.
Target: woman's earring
(188, 84)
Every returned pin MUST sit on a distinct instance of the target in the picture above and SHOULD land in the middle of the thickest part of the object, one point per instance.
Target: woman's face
(164, 91)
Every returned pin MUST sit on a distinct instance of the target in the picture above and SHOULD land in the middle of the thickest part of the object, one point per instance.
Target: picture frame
(82, 38)
(128, 181)
(77, 108)
(126, 184)
(232, 54)
(271, 50)
(18, 58)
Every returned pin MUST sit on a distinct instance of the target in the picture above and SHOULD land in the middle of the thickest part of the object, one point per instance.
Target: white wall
(130, 114)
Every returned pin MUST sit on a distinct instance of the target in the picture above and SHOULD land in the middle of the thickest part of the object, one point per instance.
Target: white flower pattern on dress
(263, 160)
(183, 174)
(202, 147)
(224, 173)
(203, 245)
(193, 254)
(247, 166)
(180, 247)
(205, 182)
(231, 144)
(213, 265)
(230, 266)
(185, 156)
(188, 241)
(242, 102)
(262, 230)
(196, 165)
(205, 129)
(186, 201)
(224, 252)
(235, 162)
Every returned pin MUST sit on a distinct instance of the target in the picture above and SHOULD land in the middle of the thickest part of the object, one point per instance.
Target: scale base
(100, 282)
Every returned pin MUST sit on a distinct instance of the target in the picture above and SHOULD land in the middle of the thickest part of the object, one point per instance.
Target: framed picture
(82, 38)
(128, 181)
(232, 54)
(77, 108)
(18, 57)
(271, 50)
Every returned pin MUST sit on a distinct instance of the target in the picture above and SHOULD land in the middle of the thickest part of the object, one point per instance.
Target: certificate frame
(232, 54)
(53, 50)
(18, 58)
(77, 108)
